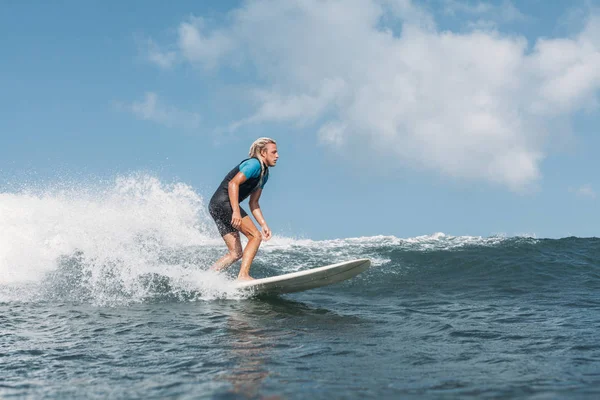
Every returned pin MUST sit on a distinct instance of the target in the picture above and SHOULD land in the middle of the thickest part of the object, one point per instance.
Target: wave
(102, 239)
(137, 239)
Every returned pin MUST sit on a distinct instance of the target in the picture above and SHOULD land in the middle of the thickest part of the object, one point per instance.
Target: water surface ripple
(435, 317)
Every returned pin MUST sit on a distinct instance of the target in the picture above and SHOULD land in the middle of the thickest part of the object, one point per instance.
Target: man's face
(270, 154)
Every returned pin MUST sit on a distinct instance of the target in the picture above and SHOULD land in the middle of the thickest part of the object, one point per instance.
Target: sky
(392, 117)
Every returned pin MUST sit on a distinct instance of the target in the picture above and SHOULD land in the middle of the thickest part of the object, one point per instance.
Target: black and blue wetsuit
(220, 206)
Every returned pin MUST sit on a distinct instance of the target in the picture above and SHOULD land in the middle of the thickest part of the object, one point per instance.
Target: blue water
(436, 317)
(113, 300)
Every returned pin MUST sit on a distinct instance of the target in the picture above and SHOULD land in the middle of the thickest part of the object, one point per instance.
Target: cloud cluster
(505, 11)
(152, 109)
(379, 75)
(585, 191)
(164, 59)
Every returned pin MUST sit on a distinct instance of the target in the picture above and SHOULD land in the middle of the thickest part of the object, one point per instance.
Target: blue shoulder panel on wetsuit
(251, 169)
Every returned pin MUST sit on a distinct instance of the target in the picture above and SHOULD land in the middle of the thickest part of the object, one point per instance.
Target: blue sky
(392, 117)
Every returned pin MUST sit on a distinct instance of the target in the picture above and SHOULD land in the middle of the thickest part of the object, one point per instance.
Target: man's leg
(254, 238)
(232, 240)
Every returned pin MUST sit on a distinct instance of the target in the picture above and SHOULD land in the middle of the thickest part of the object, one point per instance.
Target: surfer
(248, 178)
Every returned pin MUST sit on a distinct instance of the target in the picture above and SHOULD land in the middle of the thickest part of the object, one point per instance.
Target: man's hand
(266, 232)
(236, 220)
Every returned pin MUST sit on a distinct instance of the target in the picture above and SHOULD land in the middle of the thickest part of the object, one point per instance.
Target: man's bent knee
(253, 235)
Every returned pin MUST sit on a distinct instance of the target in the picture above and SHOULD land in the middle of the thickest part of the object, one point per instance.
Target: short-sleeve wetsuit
(220, 206)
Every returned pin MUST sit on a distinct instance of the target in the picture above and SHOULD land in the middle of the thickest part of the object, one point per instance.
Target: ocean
(105, 293)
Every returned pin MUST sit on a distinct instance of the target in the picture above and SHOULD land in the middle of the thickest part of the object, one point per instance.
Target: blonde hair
(259, 145)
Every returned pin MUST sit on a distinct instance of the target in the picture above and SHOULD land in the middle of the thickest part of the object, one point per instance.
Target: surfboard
(307, 279)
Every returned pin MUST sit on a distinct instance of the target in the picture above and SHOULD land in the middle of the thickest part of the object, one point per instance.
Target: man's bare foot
(245, 278)
(218, 268)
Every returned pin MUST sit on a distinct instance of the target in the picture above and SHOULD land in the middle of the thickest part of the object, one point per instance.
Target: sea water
(105, 293)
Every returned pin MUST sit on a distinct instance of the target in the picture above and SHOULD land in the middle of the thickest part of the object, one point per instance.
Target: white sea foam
(114, 233)
(436, 241)
(136, 237)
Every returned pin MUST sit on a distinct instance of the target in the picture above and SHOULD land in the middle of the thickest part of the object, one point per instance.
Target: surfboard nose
(363, 263)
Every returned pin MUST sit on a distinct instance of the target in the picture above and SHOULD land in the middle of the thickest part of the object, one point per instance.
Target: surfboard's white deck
(308, 279)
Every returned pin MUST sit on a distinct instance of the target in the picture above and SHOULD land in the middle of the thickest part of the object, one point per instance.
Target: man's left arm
(255, 208)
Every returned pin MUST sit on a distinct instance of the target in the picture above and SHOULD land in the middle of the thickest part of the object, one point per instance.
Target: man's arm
(234, 190)
(255, 208)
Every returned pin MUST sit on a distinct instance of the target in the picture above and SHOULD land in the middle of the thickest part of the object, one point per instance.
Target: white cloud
(477, 105)
(151, 109)
(453, 7)
(585, 191)
(503, 12)
(568, 70)
(164, 59)
(332, 133)
(304, 108)
(196, 46)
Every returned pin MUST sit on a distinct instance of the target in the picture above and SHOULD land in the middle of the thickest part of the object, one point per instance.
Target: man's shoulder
(250, 163)
(250, 167)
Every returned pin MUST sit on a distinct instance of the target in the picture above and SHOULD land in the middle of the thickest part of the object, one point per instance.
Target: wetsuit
(220, 206)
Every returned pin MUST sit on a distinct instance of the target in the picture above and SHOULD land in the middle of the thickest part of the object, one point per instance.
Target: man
(246, 179)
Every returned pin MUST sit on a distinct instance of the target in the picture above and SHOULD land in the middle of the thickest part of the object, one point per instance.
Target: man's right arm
(233, 189)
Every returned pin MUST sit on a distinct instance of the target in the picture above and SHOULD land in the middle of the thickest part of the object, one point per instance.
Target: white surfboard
(308, 279)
